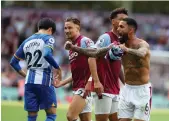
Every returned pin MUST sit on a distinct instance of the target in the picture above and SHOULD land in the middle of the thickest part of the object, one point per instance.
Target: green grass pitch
(13, 111)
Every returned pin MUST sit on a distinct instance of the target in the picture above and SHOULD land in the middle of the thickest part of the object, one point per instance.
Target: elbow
(12, 63)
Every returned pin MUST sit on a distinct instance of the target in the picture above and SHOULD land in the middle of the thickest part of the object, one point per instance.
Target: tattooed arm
(92, 52)
(141, 52)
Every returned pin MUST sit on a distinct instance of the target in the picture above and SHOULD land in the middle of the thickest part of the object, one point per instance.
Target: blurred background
(19, 21)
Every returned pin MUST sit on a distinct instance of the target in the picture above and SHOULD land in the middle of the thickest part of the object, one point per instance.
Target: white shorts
(135, 102)
(107, 105)
(88, 107)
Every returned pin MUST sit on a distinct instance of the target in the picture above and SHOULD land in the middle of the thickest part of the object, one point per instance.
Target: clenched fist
(68, 45)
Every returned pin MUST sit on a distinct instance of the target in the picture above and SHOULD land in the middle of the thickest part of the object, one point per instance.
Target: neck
(131, 40)
(114, 31)
(42, 31)
(74, 38)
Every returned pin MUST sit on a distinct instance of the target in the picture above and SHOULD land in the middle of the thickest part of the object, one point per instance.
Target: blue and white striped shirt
(32, 50)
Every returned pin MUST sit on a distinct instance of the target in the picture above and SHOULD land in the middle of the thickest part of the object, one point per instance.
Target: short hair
(131, 22)
(74, 20)
(46, 23)
(118, 11)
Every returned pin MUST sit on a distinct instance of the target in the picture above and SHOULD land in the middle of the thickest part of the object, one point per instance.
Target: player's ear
(113, 22)
(50, 30)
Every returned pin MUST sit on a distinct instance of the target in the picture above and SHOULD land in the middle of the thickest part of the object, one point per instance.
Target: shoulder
(86, 42)
(105, 36)
(49, 38)
(143, 43)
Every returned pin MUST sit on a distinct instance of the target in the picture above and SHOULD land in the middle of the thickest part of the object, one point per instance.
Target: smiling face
(71, 30)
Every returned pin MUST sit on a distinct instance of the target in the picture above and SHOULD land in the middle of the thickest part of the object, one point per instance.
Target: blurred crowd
(18, 24)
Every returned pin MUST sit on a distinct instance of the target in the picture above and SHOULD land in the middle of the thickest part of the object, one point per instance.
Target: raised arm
(90, 52)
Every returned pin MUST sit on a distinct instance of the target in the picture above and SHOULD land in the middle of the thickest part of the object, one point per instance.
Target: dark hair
(74, 20)
(118, 11)
(131, 22)
(46, 23)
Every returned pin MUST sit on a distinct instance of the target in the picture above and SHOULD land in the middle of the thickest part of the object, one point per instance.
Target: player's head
(117, 15)
(127, 27)
(72, 28)
(47, 24)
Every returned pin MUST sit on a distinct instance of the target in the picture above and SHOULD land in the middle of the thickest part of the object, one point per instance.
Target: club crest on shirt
(51, 40)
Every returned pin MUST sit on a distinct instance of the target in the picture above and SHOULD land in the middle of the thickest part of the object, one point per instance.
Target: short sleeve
(103, 41)
(50, 42)
(19, 54)
(87, 43)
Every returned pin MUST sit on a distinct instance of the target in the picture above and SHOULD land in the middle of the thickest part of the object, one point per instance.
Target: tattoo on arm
(91, 52)
(141, 52)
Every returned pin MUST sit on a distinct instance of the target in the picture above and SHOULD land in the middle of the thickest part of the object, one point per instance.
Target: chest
(130, 60)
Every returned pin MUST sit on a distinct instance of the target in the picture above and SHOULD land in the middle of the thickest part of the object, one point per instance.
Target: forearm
(15, 64)
(66, 81)
(22, 73)
(93, 69)
(91, 52)
(121, 76)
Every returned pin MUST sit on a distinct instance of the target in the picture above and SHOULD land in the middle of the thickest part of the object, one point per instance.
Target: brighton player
(107, 72)
(135, 97)
(37, 51)
(81, 104)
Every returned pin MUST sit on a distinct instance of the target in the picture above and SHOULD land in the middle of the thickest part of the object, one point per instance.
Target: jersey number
(29, 57)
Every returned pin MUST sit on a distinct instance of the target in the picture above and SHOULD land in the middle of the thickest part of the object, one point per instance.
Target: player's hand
(111, 46)
(57, 83)
(123, 47)
(88, 89)
(68, 45)
(98, 88)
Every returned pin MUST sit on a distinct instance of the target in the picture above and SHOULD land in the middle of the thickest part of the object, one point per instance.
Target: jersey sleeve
(103, 41)
(19, 54)
(50, 42)
(87, 43)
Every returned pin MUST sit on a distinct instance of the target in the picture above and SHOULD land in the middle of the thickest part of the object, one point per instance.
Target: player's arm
(19, 55)
(15, 64)
(141, 52)
(48, 55)
(91, 52)
(64, 82)
(103, 43)
(121, 75)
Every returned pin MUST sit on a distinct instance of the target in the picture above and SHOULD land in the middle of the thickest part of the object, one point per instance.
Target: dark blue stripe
(33, 76)
(44, 77)
(29, 77)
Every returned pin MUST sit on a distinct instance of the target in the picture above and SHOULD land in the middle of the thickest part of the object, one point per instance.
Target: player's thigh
(138, 120)
(76, 106)
(125, 119)
(31, 102)
(48, 98)
(113, 117)
(85, 116)
(143, 104)
(101, 117)
(113, 112)
(102, 106)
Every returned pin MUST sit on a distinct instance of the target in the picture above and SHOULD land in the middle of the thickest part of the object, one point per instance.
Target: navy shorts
(38, 96)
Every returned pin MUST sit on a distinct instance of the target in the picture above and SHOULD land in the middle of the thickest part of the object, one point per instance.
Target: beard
(123, 38)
